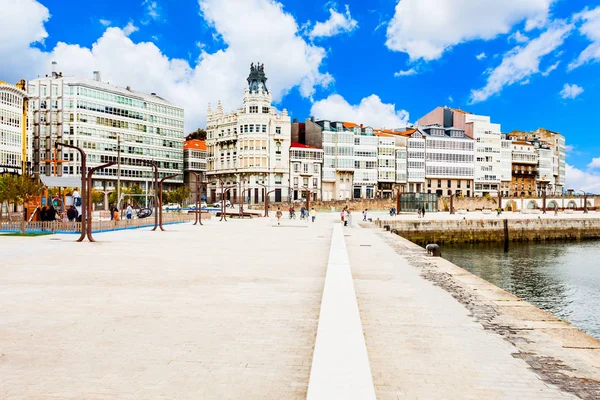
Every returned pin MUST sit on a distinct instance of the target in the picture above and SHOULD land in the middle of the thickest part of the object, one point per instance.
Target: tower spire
(257, 78)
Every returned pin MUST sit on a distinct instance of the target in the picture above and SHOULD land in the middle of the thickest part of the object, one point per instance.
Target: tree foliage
(179, 195)
(197, 134)
(97, 196)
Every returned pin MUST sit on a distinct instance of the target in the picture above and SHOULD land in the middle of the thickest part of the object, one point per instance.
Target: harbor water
(562, 278)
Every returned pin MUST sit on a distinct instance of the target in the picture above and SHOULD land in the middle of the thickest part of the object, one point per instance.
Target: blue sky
(527, 64)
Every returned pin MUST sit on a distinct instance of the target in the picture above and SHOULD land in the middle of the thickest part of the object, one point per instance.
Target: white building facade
(365, 163)
(449, 161)
(306, 164)
(12, 126)
(488, 154)
(105, 121)
(386, 164)
(248, 149)
(415, 163)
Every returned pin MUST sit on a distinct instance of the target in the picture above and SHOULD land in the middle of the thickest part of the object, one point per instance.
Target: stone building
(524, 167)
(248, 149)
(12, 127)
(104, 120)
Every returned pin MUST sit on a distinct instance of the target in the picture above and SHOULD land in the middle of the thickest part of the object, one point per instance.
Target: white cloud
(151, 9)
(595, 164)
(591, 30)
(570, 91)
(522, 61)
(480, 56)
(371, 111)
(450, 99)
(130, 28)
(551, 68)
(336, 24)
(424, 29)
(407, 72)
(582, 180)
(105, 22)
(518, 37)
(272, 39)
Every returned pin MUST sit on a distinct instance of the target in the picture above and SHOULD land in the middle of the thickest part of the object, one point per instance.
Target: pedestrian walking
(419, 212)
(313, 214)
(51, 214)
(555, 210)
(349, 215)
(346, 217)
(116, 216)
(365, 215)
(342, 215)
(129, 211)
(278, 215)
(72, 214)
(423, 212)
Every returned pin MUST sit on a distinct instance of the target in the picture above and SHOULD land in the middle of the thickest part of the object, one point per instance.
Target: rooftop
(297, 145)
(194, 144)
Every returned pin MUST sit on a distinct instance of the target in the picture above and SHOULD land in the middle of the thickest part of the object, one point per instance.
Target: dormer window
(253, 109)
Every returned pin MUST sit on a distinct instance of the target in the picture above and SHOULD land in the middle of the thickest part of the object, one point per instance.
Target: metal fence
(97, 226)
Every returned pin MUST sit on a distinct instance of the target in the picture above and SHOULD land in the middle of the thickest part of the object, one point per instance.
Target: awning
(61, 181)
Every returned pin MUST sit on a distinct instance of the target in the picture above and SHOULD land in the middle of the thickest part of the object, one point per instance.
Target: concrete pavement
(231, 310)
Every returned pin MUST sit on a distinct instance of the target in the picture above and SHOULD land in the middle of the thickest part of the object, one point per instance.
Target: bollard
(433, 250)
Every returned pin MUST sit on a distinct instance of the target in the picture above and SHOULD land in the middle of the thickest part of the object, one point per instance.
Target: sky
(383, 63)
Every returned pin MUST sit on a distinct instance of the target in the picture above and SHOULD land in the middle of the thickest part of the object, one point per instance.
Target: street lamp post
(585, 210)
(266, 198)
(161, 197)
(157, 206)
(84, 193)
(89, 199)
(198, 205)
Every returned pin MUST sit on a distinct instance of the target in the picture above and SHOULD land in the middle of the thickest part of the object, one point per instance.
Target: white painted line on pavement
(340, 365)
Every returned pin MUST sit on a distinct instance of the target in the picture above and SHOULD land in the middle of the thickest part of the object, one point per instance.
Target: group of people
(50, 214)
(115, 215)
(421, 212)
(304, 213)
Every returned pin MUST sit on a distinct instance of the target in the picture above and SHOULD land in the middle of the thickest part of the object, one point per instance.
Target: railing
(97, 226)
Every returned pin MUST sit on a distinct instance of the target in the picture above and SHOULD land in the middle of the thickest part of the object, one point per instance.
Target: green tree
(179, 195)
(97, 196)
(19, 190)
(197, 134)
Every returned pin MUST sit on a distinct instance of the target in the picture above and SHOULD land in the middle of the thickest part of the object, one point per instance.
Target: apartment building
(449, 161)
(106, 121)
(249, 148)
(524, 165)
(195, 166)
(12, 127)
(306, 164)
(386, 164)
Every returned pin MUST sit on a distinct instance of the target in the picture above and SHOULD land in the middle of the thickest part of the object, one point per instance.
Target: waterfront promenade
(247, 309)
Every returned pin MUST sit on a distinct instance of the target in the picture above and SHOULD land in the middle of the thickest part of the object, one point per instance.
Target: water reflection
(561, 278)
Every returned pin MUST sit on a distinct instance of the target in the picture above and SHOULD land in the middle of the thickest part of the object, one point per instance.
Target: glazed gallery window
(253, 109)
(265, 110)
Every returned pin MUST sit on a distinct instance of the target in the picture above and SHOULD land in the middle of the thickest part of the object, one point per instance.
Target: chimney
(97, 76)
(153, 94)
(54, 75)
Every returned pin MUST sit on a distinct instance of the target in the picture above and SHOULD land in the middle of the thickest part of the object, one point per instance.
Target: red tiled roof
(350, 125)
(194, 144)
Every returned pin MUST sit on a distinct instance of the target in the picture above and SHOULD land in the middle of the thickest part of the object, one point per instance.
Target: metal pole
(119, 172)
(451, 203)
(89, 202)
(83, 187)
(161, 195)
(157, 206)
(198, 205)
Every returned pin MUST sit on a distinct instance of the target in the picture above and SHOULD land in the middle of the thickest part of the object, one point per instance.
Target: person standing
(51, 214)
(313, 214)
(116, 216)
(278, 215)
(365, 215)
(346, 216)
(419, 212)
(72, 214)
(129, 211)
(423, 212)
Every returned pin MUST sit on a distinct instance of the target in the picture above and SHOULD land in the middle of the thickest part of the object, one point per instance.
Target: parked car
(171, 207)
(219, 204)
(193, 206)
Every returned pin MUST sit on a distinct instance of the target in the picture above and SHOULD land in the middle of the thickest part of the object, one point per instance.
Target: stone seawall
(481, 231)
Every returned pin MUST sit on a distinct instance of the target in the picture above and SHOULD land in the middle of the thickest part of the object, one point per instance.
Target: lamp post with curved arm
(198, 205)
(242, 202)
(156, 209)
(160, 190)
(266, 198)
(585, 210)
(84, 194)
(89, 198)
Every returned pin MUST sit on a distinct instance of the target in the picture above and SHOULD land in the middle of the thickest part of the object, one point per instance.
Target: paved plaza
(233, 310)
